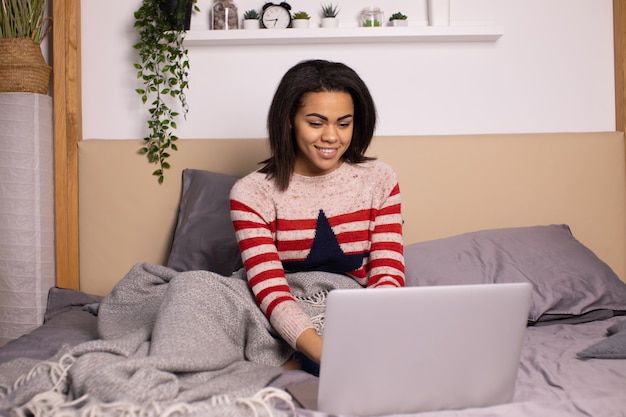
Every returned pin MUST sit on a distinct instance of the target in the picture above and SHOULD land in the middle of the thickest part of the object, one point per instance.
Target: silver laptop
(416, 349)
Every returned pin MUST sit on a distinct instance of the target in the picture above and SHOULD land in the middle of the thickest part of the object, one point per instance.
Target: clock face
(276, 16)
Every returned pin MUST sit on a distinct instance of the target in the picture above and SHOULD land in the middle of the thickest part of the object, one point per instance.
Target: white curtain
(27, 262)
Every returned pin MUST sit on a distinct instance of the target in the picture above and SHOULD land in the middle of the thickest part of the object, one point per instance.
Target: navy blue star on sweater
(326, 254)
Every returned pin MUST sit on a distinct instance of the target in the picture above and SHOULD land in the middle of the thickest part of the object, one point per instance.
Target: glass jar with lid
(371, 17)
(224, 15)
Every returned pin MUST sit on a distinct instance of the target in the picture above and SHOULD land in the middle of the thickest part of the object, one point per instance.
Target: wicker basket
(22, 67)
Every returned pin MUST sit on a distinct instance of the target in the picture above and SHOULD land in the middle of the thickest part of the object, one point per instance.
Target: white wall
(552, 70)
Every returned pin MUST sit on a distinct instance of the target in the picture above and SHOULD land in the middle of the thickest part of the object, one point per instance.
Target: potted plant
(370, 23)
(300, 20)
(329, 15)
(163, 69)
(371, 17)
(23, 26)
(398, 19)
(178, 12)
(251, 19)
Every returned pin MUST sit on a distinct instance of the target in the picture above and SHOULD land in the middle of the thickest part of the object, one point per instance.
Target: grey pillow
(204, 238)
(65, 323)
(613, 347)
(569, 280)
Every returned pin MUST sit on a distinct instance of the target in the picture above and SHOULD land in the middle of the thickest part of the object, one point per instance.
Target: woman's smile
(328, 152)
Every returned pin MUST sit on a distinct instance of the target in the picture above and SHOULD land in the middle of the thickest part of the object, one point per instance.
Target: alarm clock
(276, 16)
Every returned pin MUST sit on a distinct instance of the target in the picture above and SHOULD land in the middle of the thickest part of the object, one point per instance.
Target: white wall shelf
(344, 35)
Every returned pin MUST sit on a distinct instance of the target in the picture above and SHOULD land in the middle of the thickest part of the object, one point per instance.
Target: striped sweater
(347, 222)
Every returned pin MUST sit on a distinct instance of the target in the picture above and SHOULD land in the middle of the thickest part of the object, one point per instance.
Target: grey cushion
(204, 238)
(569, 280)
(613, 347)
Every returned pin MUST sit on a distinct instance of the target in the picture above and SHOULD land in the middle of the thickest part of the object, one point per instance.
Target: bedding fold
(195, 340)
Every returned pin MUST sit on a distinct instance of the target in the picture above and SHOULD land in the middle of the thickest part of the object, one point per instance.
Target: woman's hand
(310, 343)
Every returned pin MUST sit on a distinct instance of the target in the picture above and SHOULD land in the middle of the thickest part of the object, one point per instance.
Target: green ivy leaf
(163, 69)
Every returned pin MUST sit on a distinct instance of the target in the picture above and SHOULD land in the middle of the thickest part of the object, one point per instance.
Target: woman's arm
(386, 258)
(264, 269)
(310, 343)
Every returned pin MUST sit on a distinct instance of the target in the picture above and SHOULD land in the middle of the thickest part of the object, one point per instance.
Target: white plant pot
(300, 23)
(439, 12)
(251, 24)
(399, 23)
(330, 22)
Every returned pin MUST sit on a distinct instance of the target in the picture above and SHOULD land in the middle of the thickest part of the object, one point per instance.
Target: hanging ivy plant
(163, 69)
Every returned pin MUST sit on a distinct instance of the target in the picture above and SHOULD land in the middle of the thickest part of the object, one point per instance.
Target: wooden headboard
(449, 184)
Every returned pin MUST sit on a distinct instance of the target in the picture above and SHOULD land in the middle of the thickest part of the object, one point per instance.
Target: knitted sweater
(346, 222)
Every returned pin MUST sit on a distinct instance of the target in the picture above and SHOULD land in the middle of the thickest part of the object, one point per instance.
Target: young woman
(318, 203)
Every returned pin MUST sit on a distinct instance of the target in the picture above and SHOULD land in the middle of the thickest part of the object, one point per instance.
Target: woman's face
(323, 130)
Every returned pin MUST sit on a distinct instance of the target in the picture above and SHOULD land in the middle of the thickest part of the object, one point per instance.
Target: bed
(549, 209)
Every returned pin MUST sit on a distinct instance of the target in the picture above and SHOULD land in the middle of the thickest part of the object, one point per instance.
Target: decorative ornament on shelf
(163, 69)
(224, 15)
(276, 16)
(23, 26)
(329, 15)
(300, 20)
(398, 19)
(371, 17)
(439, 12)
(251, 19)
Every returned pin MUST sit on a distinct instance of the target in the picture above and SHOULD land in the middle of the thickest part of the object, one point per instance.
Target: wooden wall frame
(67, 133)
(68, 125)
(619, 26)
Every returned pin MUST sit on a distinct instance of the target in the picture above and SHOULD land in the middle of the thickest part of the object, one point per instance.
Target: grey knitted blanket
(189, 344)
